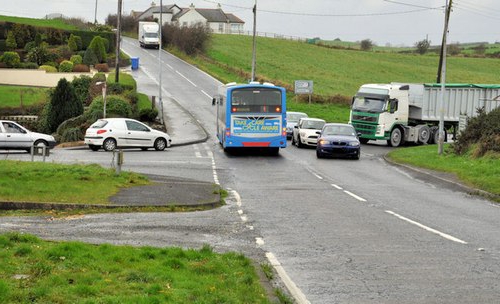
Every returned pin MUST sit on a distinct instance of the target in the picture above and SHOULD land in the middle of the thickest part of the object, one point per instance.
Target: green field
(55, 23)
(343, 71)
(14, 96)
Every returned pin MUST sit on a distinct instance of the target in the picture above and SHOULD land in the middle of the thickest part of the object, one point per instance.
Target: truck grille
(365, 129)
(364, 118)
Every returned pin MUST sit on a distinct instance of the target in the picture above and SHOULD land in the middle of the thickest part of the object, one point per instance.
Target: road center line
(355, 196)
(446, 236)
(336, 187)
(206, 94)
(186, 78)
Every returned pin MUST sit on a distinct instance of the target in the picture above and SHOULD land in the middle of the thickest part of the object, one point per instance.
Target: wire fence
(269, 35)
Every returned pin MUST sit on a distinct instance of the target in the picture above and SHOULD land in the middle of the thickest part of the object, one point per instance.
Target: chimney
(191, 7)
(153, 4)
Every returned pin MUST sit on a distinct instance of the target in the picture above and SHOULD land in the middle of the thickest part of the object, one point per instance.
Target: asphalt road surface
(342, 231)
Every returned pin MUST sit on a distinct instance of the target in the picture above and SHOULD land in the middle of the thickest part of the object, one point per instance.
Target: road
(342, 231)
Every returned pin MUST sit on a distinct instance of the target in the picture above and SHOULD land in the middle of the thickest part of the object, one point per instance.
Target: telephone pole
(254, 41)
(118, 39)
(442, 79)
(95, 13)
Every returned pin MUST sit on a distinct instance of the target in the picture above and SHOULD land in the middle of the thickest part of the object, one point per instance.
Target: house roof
(212, 15)
(156, 9)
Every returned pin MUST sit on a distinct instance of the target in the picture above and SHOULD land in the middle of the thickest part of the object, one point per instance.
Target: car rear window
(99, 124)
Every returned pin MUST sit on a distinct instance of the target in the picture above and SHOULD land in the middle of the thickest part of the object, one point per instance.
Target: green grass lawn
(57, 183)
(482, 173)
(36, 271)
(343, 71)
(328, 112)
(13, 96)
(54, 23)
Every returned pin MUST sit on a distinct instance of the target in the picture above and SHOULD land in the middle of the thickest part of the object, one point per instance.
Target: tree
(39, 54)
(90, 58)
(423, 46)
(98, 46)
(11, 41)
(366, 45)
(73, 46)
(63, 105)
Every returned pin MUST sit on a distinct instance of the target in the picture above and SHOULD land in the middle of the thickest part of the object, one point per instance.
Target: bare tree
(366, 45)
(423, 46)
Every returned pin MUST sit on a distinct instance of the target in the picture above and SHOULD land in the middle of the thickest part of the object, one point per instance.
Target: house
(216, 19)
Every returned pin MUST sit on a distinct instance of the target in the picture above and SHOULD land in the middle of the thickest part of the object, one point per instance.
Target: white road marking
(206, 94)
(259, 241)
(446, 236)
(299, 297)
(194, 84)
(355, 196)
(337, 187)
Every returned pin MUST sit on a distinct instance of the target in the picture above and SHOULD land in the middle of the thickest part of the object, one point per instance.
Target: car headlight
(323, 142)
(353, 143)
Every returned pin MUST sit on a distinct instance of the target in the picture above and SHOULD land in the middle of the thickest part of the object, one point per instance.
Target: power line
(472, 9)
(413, 5)
(328, 15)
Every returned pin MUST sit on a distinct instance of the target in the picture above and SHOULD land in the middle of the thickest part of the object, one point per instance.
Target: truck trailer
(409, 113)
(149, 34)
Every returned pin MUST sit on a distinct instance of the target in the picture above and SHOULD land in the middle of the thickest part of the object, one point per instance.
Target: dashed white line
(355, 196)
(336, 187)
(186, 79)
(259, 241)
(446, 236)
(206, 94)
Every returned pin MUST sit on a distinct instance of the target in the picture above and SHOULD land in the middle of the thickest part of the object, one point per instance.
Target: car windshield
(366, 104)
(295, 117)
(339, 130)
(312, 124)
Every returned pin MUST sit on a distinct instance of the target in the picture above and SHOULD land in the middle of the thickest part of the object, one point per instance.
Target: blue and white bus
(251, 115)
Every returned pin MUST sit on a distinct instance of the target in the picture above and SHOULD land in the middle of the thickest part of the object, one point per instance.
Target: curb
(443, 180)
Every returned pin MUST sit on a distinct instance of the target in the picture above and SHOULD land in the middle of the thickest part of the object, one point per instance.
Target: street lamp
(254, 41)
(103, 83)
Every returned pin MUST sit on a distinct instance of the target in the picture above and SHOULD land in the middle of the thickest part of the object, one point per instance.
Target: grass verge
(481, 173)
(16, 96)
(73, 272)
(58, 183)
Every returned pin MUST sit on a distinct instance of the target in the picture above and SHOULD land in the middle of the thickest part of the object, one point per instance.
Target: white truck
(149, 34)
(400, 113)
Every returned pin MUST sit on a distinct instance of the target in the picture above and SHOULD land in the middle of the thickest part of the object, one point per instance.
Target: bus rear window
(256, 100)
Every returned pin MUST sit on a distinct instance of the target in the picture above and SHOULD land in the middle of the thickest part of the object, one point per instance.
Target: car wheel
(40, 143)
(318, 154)
(357, 155)
(160, 144)
(94, 147)
(293, 140)
(299, 143)
(109, 144)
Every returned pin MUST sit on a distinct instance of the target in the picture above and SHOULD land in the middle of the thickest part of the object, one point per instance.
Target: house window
(221, 27)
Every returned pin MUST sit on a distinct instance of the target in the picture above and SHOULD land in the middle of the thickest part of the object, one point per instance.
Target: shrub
(148, 114)
(63, 105)
(482, 132)
(39, 54)
(71, 134)
(98, 46)
(114, 88)
(29, 65)
(190, 39)
(66, 66)
(81, 68)
(76, 59)
(82, 89)
(116, 106)
(29, 46)
(102, 67)
(11, 59)
(3, 45)
(90, 58)
(73, 46)
(48, 68)
(366, 45)
(63, 51)
(11, 41)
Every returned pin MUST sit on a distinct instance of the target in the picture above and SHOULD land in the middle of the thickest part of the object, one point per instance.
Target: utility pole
(160, 44)
(442, 79)
(95, 13)
(254, 41)
(443, 43)
(118, 39)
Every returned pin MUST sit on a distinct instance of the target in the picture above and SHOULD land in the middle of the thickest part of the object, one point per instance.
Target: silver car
(112, 133)
(13, 136)
(292, 119)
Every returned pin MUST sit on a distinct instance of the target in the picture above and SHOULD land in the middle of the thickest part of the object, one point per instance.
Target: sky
(385, 22)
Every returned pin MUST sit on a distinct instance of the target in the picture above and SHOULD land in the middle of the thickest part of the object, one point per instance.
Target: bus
(251, 116)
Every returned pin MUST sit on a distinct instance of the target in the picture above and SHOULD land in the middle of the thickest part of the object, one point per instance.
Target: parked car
(112, 133)
(292, 118)
(338, 140)
(305, 132)
(13, 136)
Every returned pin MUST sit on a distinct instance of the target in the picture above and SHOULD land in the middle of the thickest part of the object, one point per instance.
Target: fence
(270, 35)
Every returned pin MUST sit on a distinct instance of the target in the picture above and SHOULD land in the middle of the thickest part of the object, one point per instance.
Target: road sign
(303, 87)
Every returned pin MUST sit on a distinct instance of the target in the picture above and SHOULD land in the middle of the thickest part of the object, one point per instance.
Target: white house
(216, 19)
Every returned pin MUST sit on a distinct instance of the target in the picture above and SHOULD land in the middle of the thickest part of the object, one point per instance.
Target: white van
(112, 133)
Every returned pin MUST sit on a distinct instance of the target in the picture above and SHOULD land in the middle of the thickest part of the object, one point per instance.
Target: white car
(305, 133)
(292, 118)
(112, 133)
(13, 136)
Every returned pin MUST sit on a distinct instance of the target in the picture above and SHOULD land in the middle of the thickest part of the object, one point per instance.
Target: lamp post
(160, 43)
(254, 42)
(104, 86)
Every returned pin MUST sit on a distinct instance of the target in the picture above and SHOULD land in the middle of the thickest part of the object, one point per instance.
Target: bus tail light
(278, 110)
(284, 132)
(228, 132)
(234, 109)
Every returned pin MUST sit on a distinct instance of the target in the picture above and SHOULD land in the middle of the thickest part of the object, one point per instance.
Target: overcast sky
(395, 22)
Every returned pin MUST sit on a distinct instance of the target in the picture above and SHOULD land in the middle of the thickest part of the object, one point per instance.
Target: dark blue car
(338, 140)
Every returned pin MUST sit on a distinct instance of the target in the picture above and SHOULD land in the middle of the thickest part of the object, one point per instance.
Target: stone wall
(37, 78)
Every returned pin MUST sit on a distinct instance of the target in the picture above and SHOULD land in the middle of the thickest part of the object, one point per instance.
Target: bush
(11, 41)
(66, 66)
(29, 65)
(102, 67)
(39, 54)
(63, 105)
(81, 68)
(482, 133)
(71, 134)
(63, 51)
(148, 114)
(98, 46)
(82, 89)
(73, 46)
(76, 59)
(90, 58)
(116, 106)
(114, 88)
(48, 68)
(11, 59)
(191, 40)
(3, 45)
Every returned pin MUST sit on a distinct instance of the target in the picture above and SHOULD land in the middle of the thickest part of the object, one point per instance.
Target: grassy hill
(341, 72)
(54, 23)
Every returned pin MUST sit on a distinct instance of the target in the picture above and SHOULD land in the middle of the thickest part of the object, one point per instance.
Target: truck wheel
(364, 141)
(424, 133)
(434, 134)
(396, 138)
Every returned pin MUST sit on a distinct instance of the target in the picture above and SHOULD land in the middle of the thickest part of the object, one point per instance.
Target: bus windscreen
(256, 100)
